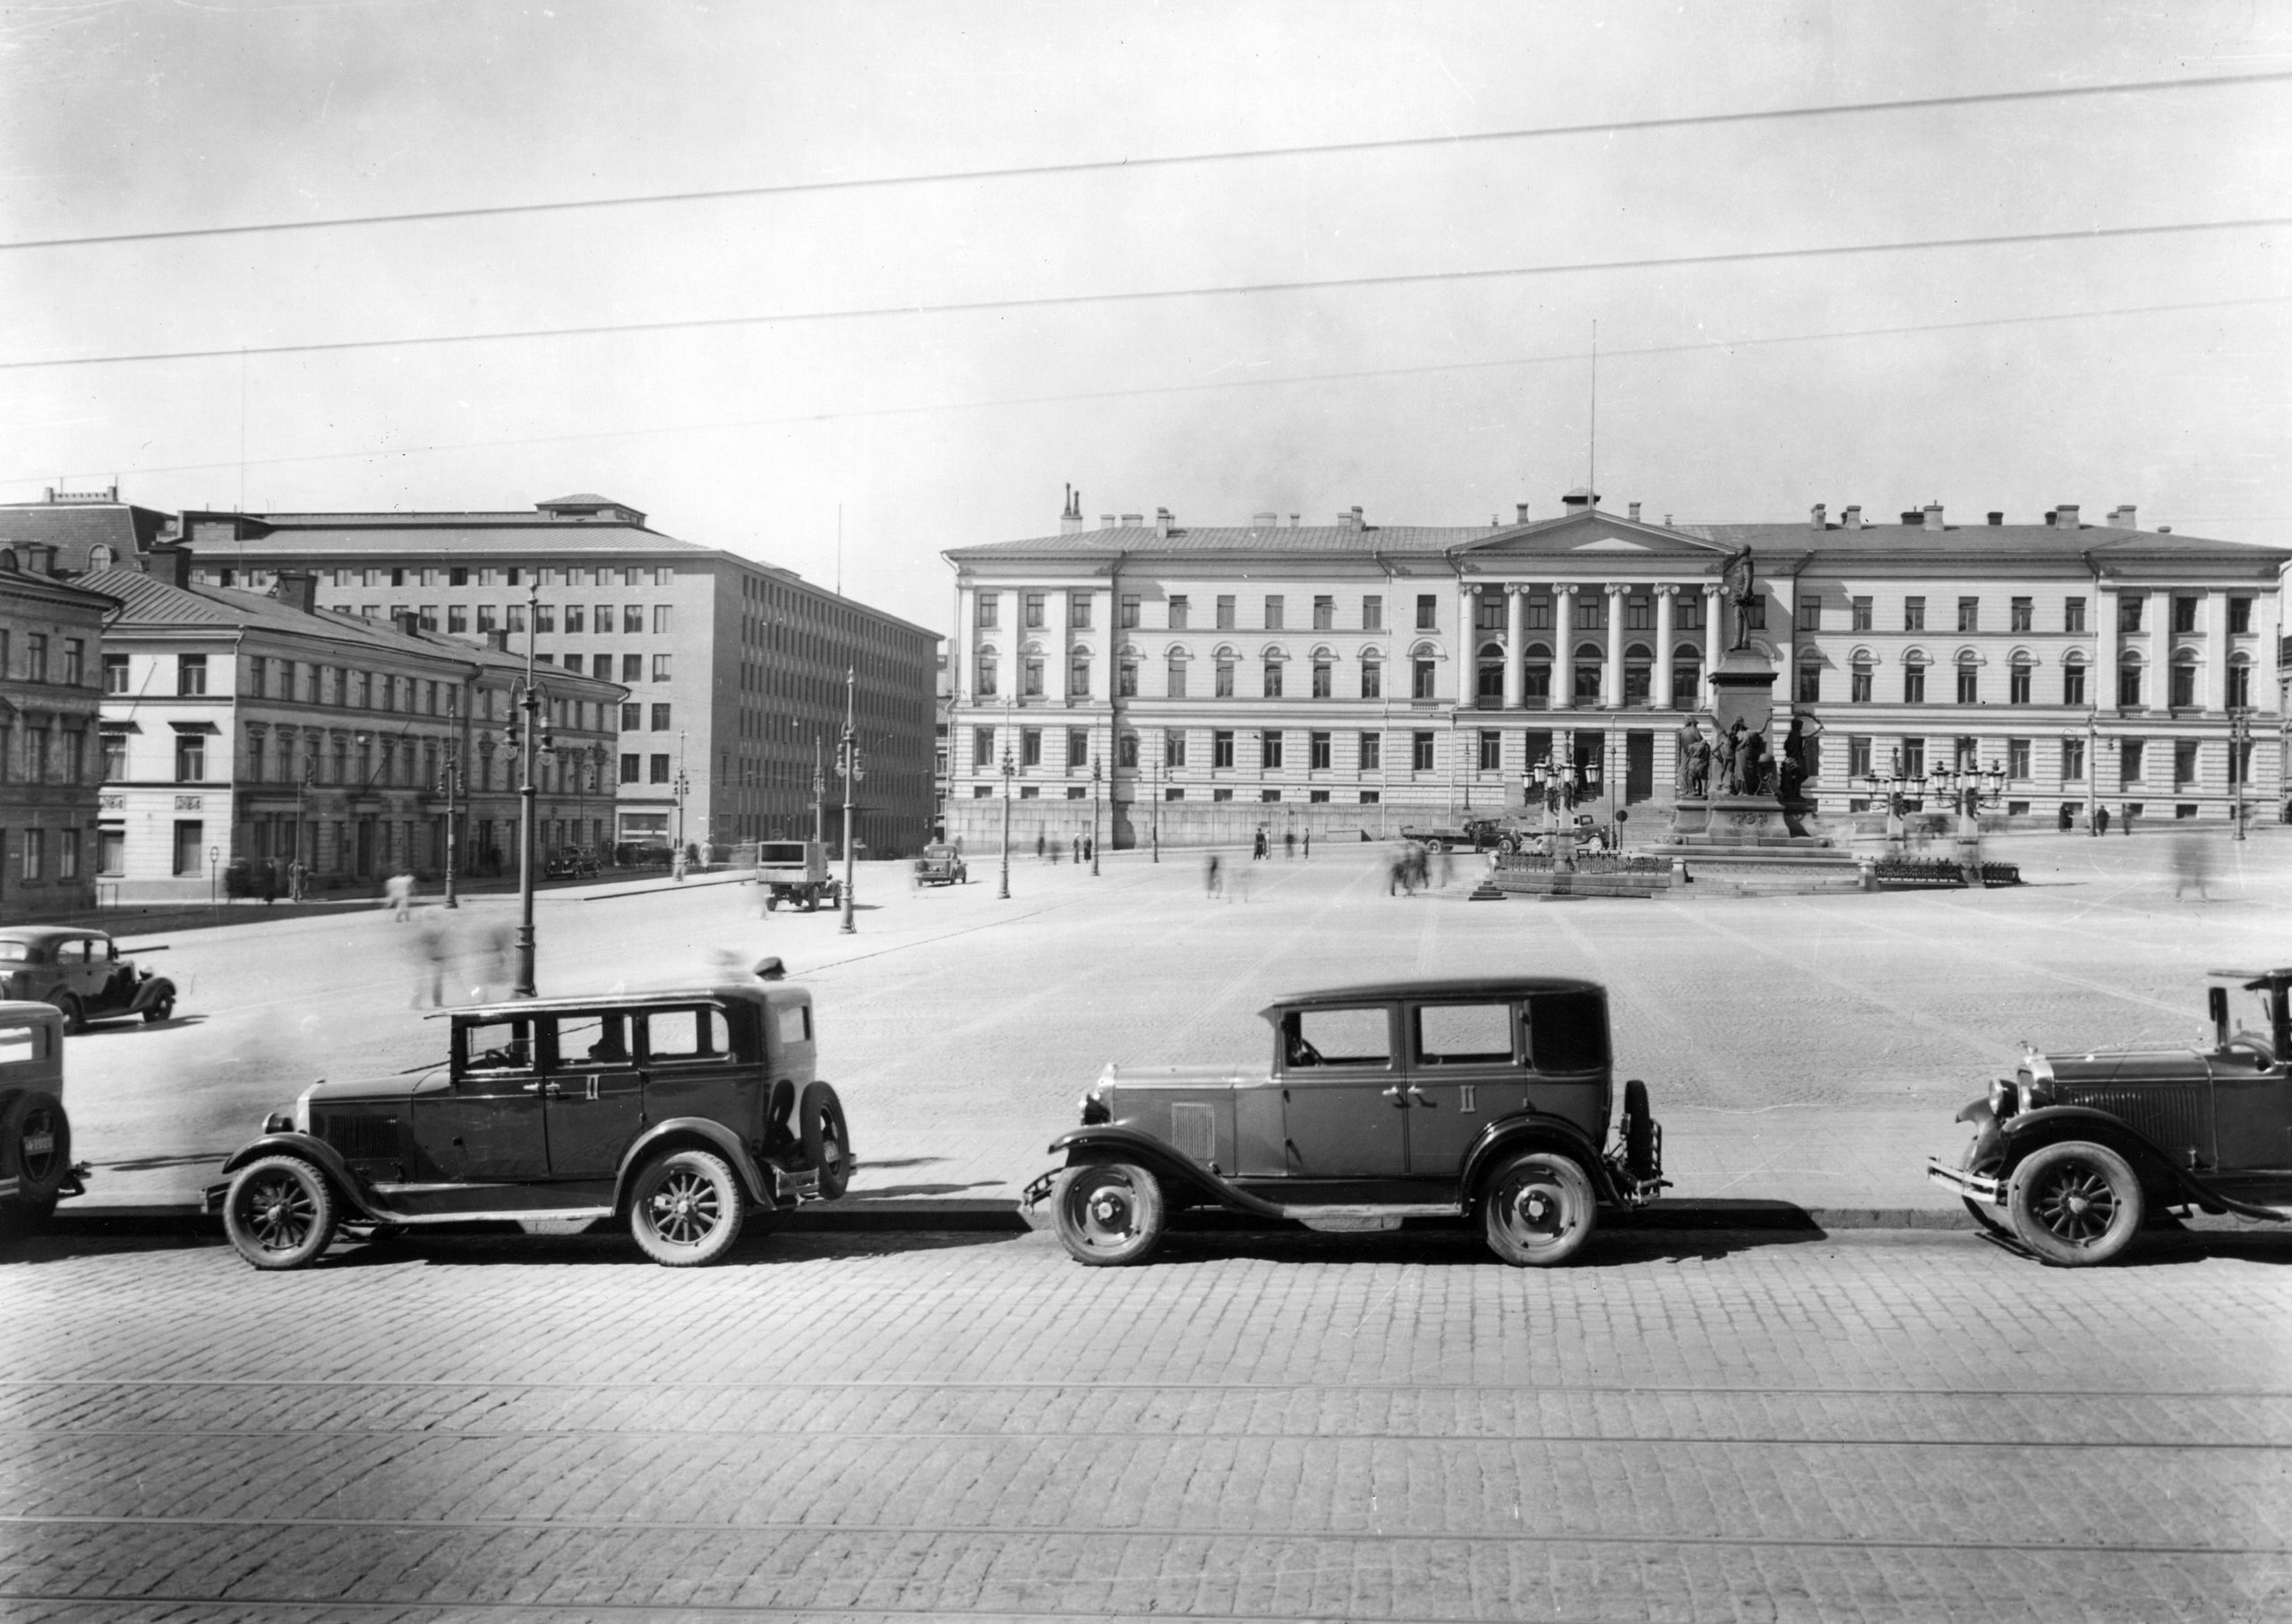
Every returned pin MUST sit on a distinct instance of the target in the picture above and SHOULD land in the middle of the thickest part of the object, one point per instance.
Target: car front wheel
(279, 1212)
(685, 1209)
(2075, 1204)
(1538, 1209)
(159, 1009)
(1107, 1214)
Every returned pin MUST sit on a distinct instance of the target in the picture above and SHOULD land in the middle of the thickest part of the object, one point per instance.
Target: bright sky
(2147, 368)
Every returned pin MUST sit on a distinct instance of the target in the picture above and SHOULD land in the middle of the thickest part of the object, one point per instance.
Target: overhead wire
(1684, 121)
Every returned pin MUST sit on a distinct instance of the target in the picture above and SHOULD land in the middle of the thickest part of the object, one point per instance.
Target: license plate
(39, 1144)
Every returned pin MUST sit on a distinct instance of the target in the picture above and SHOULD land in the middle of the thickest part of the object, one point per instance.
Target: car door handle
(1395, 1095)
(1416, 1096)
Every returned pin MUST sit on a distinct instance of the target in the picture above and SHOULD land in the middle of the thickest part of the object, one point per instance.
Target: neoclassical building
(1349, 678)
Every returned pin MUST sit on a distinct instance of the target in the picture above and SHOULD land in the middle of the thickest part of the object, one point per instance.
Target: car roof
(1444, 986)
(45, 934)
(754, 992)
(2255, 978)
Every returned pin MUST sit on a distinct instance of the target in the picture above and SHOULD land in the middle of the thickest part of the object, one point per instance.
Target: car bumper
(74, 1182)
(1987, 1188)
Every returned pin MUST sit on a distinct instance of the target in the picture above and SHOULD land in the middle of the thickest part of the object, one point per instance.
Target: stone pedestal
(1748, 823)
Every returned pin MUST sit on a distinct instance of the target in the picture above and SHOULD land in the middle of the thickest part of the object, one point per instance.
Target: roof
(43, 935)
(1438, 986)
(75, 529)
(146, 601)
(439, 534)
(1109, 539)
(758, 991)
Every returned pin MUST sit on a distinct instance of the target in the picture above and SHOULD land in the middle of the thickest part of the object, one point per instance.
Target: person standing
(1309, 845)
(269, 880)
(1288, 842)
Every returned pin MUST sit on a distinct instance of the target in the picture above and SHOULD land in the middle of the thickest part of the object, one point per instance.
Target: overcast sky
(2032, 372)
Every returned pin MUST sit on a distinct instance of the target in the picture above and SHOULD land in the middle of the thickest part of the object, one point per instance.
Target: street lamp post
(2093, 772)
(527, 706)
(1094, 817)
(2240, 733)
(849, 764)
(449, 773)
(297, 864)
(1154, 822)
(1010, 771)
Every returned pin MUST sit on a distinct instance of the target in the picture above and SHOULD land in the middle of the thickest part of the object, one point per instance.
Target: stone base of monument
(1755, 831)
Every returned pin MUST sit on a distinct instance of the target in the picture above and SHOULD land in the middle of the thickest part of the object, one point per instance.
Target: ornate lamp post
(2240, 736)
(449, 771)
(1094, 818)
(526, 729)
(1155, 820)
(848, 764)
(2093, 772)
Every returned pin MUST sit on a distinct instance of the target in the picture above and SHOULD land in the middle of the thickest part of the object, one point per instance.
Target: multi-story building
(263, 728)
(50, 632)
(1344, 678)
(736, 670)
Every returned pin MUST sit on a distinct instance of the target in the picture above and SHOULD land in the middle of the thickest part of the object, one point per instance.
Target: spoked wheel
(1983, 1212)
(1538, 1209)
(279, 1212)
(685, 1209)
(2075, 1204)
(1107, 1214)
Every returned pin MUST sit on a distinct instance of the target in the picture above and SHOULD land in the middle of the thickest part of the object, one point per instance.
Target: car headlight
(2001, 1096)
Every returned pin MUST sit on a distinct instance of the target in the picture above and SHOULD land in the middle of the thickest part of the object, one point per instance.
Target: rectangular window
(1030, 747)
(1317, 751)
(74, 661)
(1324, 614)
(664, 576)
(1421, 679)
(1913, 758)
(988, 602)
(1174, 747)
(1273, 611)
(1428, 612)
(1811, 613)
(1125, 754)
(1269, 747)
(2128, 761)
(1420, 752)
(114, 756)
(1689, 612)
(2185, 613)
(2023, 614)
(1591, 611)
(2129, 610)
(1372, 752)
(577, 618)
(1491, 744)
(1273, 678)
(1810, 684)
(2017, 758)
(632, 717)
(1488, 611)
(1078, 747)
(2240, 616)
(1031, 607)
(661, 619)
(630, 766)
(114, 673)
(2073, 614)
(660, 668)
(632, 618)
(632, 577)
(1858, 756)
(2183, 762)
(660, 719)
(1913, 614)
(2072, 759)
(190, 672)
(1372, 615)
(486, 621)
(1857, 685)
(456, 620)
(660, 769)
(1225, 611)
(1078, 611)
(1221, 748)
(1969, 614)
(1862, 614)
(1373, 680)
(1638, 612)
(1129, 610)
(191, 757)
(1177, 607)
(602, 621)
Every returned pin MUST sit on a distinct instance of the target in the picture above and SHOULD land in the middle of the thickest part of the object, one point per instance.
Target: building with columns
(1346, 678)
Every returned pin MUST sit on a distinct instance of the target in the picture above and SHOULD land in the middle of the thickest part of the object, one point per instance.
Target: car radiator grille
(2172, 1114)
(360, 1138)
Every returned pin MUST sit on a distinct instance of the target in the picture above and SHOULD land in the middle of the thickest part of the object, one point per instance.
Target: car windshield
(783, 852)
(15, 953)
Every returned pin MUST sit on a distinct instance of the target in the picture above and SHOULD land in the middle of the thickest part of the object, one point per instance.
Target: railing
(1587, 862)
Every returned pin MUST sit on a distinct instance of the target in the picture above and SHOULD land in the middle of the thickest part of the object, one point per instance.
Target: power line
(1153, 294)
(1166, 161)
(1287, 380)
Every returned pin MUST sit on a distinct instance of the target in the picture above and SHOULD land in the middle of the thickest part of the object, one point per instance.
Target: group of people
(1262, 845)
(1085, 848)
(1413, 870)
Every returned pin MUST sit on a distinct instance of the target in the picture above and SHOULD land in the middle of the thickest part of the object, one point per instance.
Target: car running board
(1365, 1218)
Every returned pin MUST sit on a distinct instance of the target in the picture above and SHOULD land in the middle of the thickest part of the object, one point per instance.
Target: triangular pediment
(1591, 532)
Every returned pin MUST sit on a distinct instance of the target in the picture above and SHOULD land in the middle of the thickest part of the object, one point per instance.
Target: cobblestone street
(1881, 1426)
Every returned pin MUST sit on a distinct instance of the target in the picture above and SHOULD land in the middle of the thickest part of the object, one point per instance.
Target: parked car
(79, 972)
(683, 1113)
(1501, 834)
(941, 865)
(2075, 1150)
(570, 863)
(795, 871)
(1486, 1098)
(36, 1166)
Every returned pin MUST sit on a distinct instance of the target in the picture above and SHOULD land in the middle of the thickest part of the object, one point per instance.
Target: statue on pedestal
(1751, 760)
(1695, 761)
(1724, 752)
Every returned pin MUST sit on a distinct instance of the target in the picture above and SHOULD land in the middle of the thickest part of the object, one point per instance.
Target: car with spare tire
(1482, 1099)
(2076, 1152)
(36, 1166)
(689, 1115)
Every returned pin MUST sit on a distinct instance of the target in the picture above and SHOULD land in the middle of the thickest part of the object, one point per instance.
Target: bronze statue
(1722, 754)
(1751, 765)
(1740, 585)
(1695, 761)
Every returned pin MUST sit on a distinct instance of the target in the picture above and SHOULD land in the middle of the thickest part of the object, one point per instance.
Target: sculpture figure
(1751, 765)
(1695, 761)
(1724, 752)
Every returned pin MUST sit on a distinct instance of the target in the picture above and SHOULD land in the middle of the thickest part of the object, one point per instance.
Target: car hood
(389, 1089)
(2143, 1064)
(1224, 1075)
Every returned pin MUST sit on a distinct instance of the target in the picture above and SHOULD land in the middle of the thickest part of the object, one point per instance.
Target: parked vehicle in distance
(1479, 1098)
(686, 1113)
(2077, 1149)
(941, 865)
(570, 863)
(79, 972)
(1500, 834)
(36, 1166)
(795, 871)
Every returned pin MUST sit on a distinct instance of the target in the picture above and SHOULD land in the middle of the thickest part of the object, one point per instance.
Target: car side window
(1464, 1034)
(495, 1047)
(795, 1023)
(586, 1039)
(1568, 1032)
(1337, 1036)
(684, 1034)
(74, 953)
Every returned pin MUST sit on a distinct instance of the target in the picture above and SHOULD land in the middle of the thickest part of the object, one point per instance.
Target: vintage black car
(1487, 1098)
(79, 972)
(2077, 1149)
(941, 865)
(36, 1166)
(683, 1112)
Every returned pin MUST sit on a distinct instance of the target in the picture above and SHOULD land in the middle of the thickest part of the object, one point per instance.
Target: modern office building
(1349, 678)
(736, 669)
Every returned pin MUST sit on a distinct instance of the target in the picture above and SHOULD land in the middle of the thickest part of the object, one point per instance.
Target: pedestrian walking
(1309, 845)
(677, 868)
(1091, 847)
(1289, 843)
(2192, 865)
(1078, 848)
(269, 880)
(1041, 845)
(295, 881)
(398, 890)
(1212, 880)
(430, 953)
(2101, 819)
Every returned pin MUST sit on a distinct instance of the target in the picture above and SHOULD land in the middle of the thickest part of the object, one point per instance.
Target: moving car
(2076, 1150)
(79, 972)
(941, 865)
(684, 1113)
(1500, 834)
(1483, 1098)
(570, 863)
(795, 871)
(36, 1168)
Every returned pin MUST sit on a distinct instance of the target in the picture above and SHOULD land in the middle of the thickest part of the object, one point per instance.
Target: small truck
(795, 871)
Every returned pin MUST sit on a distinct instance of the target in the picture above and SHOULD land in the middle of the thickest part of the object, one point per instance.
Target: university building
(1348, 678)
(736, 669)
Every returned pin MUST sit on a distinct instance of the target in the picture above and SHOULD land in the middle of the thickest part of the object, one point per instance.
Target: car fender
(2032, 1130)
(311, 1150)
(1986, 1130)
(761, 1186)
(1533, 1131)
(1084, 1146)
(149, 992)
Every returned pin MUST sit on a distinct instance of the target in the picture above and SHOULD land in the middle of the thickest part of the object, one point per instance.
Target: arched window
(2183, 690)
(1913, 679)
(1586, 688)
(1536, 676)
(1372, 675)
(1687, 676)
(2018, 677)
(1969, 679)
(2240, 681)
(1175, 683)
(1078, 673)
(2073, 678)
(101, 557)
(983, 675)
(1489, 683)
(1639, 673)
(2128, 680)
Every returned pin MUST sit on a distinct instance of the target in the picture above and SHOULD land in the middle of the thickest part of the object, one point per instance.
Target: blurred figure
(399, 892)
(679, 866)
(1213, 879)
(2192, 865)
(1447, 868)
(430, 952)
(1309, 845)
(1078, 848)
(1041, 845)
(1288, 842)
(490, 960)
(269, 880)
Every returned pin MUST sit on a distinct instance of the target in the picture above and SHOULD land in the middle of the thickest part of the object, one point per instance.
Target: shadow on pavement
(106, 1026)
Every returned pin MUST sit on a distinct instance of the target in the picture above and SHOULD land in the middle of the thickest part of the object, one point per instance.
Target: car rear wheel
(279, 1212)
(824, 1137)
(1538, 1209)
(36, 1145)
(1107, 1214)
(75, 1017)
(2075, 1204)
(685, 1209)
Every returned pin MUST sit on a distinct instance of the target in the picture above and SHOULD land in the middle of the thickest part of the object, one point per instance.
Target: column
(1516, 617)
(1563, 647)
(2159, 690)
(2215, 697)
(1468, 647)
(1612, 670)
(1662, 697)
(2105, 651)
(1713, 619)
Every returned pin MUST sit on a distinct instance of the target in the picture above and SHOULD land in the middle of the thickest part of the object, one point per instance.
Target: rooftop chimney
(406, 622)
(1106, 521)
(1133, 520)
(1581, 497)
(1996, 519)
(1265, 521)
(1933, 511)
(1914, 516)
(1850, 516)
(2124, 519)
(2065, 516)
(1520, 509)
(1814, 516)
(1634, 513)
(1294, 518)
(297, 589)
(2164, 530)
(1165, 521)
(1070, 517)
